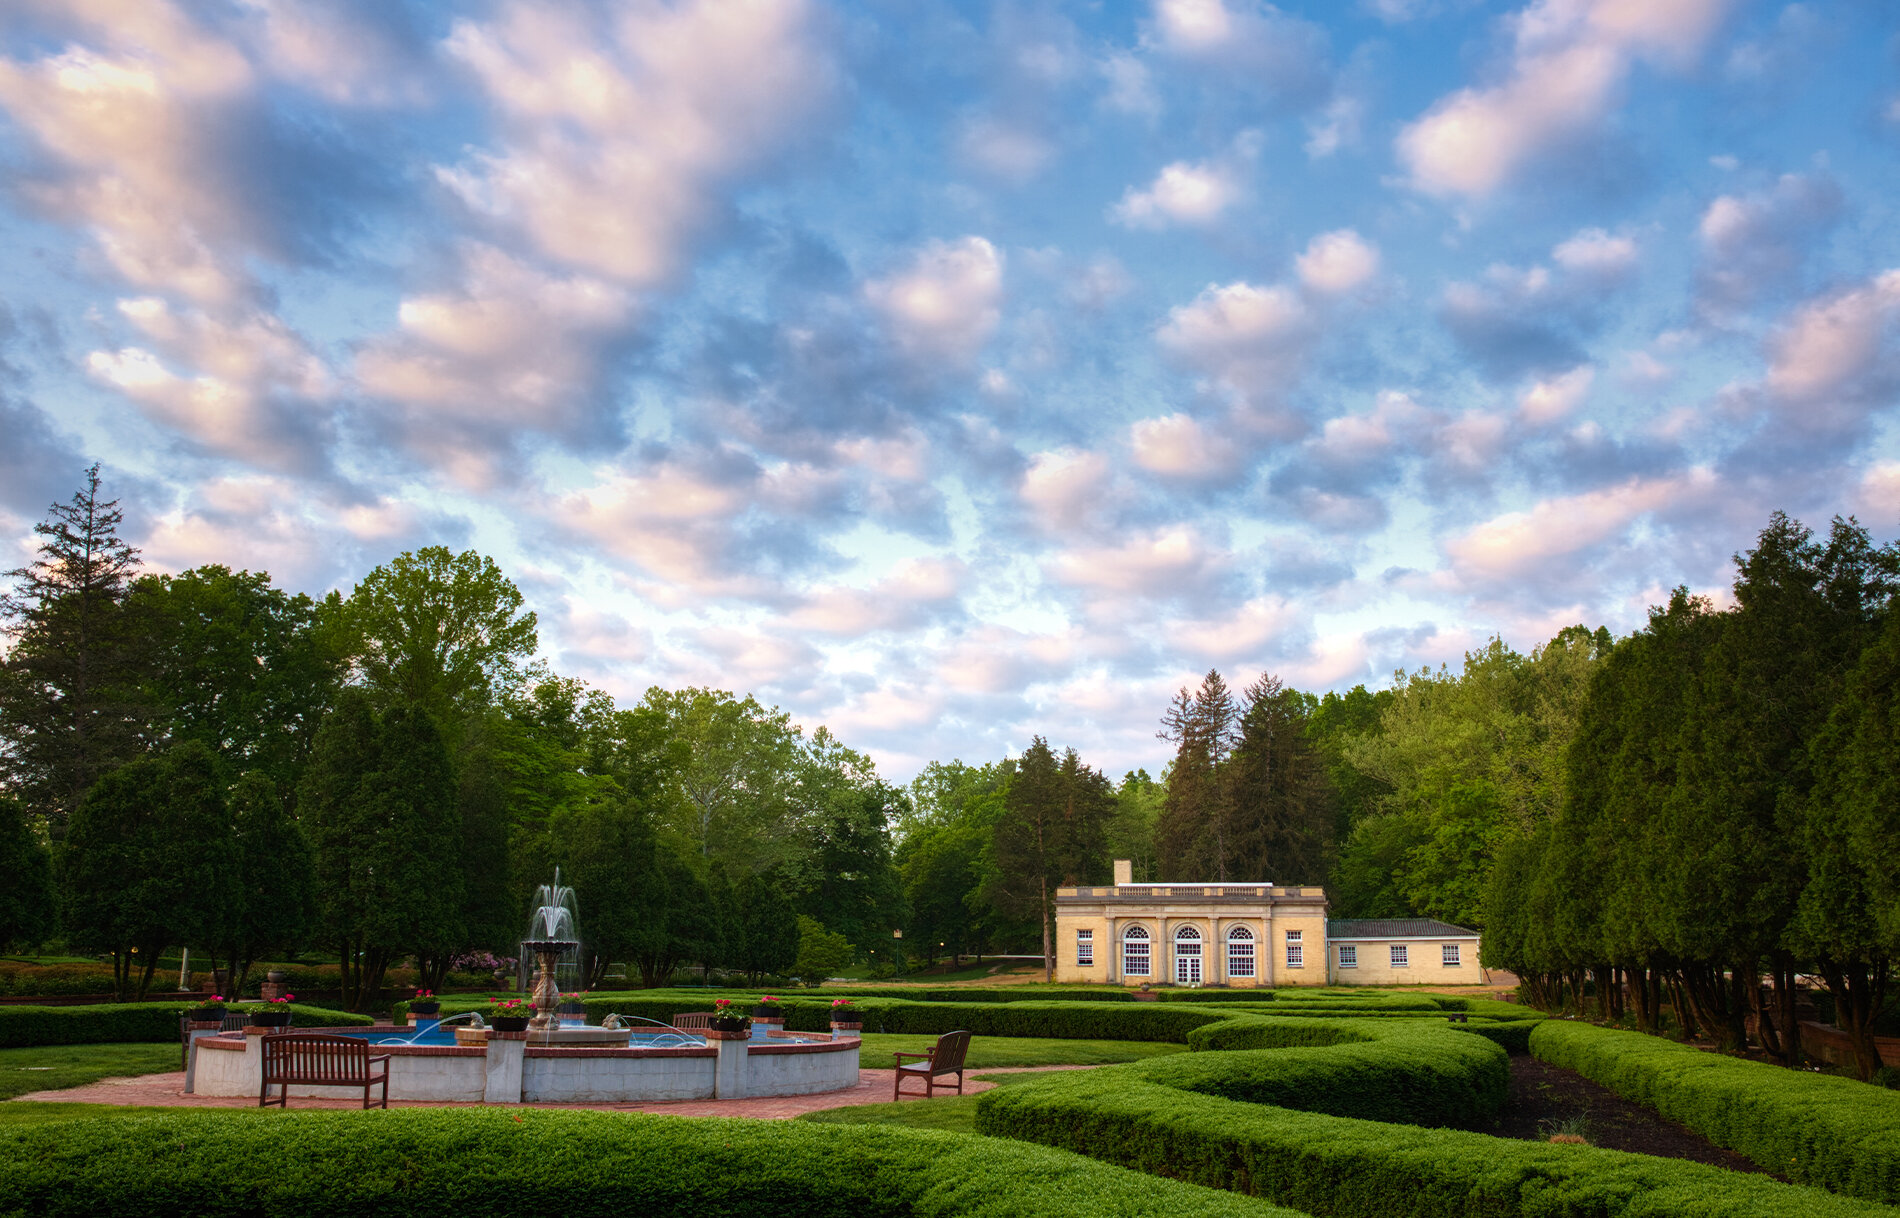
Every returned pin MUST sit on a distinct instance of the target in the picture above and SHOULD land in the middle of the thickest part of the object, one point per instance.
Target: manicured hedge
(108, 1023)
(1369, 1169)
(1513, 1034)
(456, 1162)
(1837, 1133)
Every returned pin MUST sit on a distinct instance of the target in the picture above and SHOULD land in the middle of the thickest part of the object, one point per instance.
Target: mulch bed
(1544, 1096)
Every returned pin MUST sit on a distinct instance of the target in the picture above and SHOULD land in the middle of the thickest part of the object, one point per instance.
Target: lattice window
(1240, 952)
(1135, 954)
(1085, 948)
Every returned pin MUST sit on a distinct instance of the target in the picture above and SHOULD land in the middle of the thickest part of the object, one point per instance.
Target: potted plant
(510, 1015)
(728, 1021)
(425, 1004)
(769, 1010)
(272, 1014)
(845, 1016)
(211, 1010)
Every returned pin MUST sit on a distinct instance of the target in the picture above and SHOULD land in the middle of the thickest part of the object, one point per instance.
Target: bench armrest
(380, 1057)
(925, 1056)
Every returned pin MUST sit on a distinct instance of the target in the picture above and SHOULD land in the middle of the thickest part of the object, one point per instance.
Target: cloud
(1568, 65)
(1337, 262)
(1552, 534)
(1252, 47)
(621, 128)
(1066, 489)
(1597, 254)
(1555, 398)
(1182, 193)
(1753, 245)
(1178, 446)
(1159, 564)
(914, 593)
(351, 52)
(1836, 347)
(947, 303)
(1879, 492)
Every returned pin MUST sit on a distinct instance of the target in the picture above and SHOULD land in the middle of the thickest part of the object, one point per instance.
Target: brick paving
(168, 1091)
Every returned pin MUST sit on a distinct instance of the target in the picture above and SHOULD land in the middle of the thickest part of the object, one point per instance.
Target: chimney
(1124, 872)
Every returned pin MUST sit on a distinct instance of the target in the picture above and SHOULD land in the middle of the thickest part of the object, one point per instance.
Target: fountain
(553, 932)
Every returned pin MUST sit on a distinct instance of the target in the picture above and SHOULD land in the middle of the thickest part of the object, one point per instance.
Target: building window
(1295, 950)
(1348, 955)
(1450, 953)
(1187, 956)
(1085, 948)
(1135, 952)
(1398, 955)
(1240, 952)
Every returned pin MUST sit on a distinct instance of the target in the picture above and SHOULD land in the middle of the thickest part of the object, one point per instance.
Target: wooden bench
(318, 1059)
(693, 1021)
(946, 1057)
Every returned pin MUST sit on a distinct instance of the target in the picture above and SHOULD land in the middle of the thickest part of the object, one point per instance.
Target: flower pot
(427, 1010)
(576, 1009)
(510, 1023)
(277, 976)
(769, 1014)
(731, 1024)
(269, 1019)
(206, 1015)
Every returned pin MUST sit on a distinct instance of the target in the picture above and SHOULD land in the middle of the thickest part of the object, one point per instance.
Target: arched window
(1135, 952)
(1187, 956)
(1240, 952)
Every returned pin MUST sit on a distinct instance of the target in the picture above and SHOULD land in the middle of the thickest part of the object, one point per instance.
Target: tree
(26, 880)
(273, 897)
(379, 799)
(687, 930)
(1279, 801)
(1190, 836)
(606, 851)
(1131, 829)
(734, 780)
(440, 631)
(821, 952)
(767, 929)
(150, 860)
(69, 710)
(1052, 832)
(247, 669)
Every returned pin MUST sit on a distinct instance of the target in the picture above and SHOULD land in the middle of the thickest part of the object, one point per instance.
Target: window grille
(1085, 948)
(1449, 951)
(1348, 955)
(1135, 952)
(1240, 952)
(1398, 955)
(1295, 950)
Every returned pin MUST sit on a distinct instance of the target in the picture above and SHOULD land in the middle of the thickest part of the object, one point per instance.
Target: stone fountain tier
(570, 1034)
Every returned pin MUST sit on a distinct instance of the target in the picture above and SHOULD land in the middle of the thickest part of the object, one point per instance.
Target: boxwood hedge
(1837, 1133)
(456, 1162)
(1200, 1118)
(108, 1023)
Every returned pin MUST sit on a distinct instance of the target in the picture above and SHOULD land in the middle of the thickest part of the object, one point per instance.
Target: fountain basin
(512, 1070)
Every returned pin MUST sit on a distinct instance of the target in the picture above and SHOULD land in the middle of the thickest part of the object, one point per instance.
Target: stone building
(1259, 935)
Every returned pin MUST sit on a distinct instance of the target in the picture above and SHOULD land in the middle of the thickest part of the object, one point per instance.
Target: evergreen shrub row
(1310, 1145)
(455, 1162)
(1839, 1134)
(123, 1022)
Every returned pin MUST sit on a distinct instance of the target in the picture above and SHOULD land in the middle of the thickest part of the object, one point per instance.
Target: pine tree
(68, 706)
(1191, 834)
(1029, 846)
(26, 880)
(1280, 802)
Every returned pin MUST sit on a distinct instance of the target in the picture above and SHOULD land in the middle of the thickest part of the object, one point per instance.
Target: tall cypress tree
(69, 710)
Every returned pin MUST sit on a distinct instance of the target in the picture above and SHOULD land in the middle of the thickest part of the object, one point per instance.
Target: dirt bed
(1544, 1097)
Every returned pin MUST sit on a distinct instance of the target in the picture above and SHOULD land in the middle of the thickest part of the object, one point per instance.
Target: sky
(950, 374)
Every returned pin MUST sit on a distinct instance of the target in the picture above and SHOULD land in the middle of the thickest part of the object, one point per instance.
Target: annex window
(1398, 955)
(1240, 952)
(1135, 952)
(1187, 956)
(1450, 953)
(1295, 950)
(1085, 947)
(1348, 955)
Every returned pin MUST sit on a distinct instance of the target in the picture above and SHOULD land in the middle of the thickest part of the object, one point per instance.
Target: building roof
(1395, 928)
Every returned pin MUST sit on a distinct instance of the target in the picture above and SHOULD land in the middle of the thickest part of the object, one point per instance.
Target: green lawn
(54, 1066)
(991, 1052)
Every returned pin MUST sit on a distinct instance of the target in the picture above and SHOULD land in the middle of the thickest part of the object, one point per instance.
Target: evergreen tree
(767, 929)
(1191, 833)
(1279, 800)
(273, 898)
(69, 706)
(1028, 843)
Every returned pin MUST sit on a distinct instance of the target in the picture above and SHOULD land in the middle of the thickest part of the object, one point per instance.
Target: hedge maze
(1353, 1105)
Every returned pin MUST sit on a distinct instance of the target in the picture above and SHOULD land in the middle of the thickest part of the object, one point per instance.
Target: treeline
(206, 760)
(1733, 808)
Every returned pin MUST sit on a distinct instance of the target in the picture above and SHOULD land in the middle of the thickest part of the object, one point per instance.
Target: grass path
(49, 1067)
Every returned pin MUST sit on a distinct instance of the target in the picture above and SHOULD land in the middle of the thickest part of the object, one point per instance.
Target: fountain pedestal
(547, 954)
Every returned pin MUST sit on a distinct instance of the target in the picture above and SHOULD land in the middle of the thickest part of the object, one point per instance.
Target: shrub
(1142, 1116)
(107, 1023)
(1839, 1134)
(454, 1162)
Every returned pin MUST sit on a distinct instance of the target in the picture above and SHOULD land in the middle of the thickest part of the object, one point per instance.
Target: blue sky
(948, 374)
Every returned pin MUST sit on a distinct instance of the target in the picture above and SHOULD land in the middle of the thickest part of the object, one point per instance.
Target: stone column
(729, 1073)
(506, 1052)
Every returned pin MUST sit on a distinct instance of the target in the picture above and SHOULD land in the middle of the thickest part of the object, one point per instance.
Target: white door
(1187, 958)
